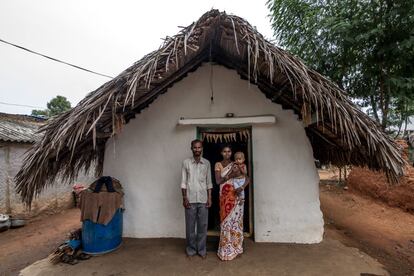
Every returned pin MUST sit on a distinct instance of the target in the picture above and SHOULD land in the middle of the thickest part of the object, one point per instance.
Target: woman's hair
(225, 146)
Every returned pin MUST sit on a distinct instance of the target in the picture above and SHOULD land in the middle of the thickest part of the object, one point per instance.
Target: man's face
(197, 149)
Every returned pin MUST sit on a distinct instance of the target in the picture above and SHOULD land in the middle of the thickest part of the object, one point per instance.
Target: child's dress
(237, 183)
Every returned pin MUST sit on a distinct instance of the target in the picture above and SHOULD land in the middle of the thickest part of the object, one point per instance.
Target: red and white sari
(231, 218)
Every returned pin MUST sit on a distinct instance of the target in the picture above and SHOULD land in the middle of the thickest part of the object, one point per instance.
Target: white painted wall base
(146, 157)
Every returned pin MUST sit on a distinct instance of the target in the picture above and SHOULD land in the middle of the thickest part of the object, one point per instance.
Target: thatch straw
(339, 132)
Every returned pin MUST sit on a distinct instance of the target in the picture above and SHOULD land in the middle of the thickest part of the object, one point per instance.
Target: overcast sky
(104, 36)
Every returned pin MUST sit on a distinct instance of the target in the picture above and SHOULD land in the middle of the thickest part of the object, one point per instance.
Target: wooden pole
(340, 175)
(7, 174)
(345, 176)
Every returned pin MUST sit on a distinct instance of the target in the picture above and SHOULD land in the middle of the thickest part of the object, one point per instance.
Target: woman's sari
(231, 218)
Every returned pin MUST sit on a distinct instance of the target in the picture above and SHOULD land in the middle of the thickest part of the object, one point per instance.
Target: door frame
(200, 130)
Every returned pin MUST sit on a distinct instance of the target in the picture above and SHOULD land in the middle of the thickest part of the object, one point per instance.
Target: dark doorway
(211, 152)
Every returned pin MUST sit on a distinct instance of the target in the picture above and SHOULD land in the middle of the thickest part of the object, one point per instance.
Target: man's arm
(209, 202)
(186, 203)
(184, 182)
(209, 182)
(209, 185)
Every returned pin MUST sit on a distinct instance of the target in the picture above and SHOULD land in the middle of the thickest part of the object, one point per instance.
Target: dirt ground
(166, 257)
(23, 246)
(375, 185)
(383, 235)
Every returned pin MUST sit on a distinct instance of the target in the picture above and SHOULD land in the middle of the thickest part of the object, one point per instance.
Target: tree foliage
(58, 105)
(366, 46)
(55, 106)
(39, 112)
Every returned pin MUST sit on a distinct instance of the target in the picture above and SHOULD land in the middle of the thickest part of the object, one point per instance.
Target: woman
(231, 209)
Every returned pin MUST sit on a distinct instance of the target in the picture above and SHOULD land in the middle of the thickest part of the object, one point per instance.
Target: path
(384, 232)
(23, 246)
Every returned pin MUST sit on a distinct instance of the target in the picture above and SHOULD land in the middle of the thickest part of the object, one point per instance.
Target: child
(240, 180)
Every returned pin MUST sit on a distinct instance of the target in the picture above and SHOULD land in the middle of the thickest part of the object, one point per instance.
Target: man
(196, 188)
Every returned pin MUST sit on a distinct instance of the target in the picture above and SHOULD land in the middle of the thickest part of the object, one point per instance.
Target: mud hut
(220, 80)
(17, 134)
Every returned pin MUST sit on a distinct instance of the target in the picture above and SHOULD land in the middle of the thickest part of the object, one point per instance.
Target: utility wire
(23, 105)
(54, 59)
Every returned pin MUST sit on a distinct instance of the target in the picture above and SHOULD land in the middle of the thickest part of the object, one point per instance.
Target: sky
(103, 36)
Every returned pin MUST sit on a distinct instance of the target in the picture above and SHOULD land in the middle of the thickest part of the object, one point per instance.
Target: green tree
(55, 106)
(58, 105)
(38, 112)
(366, 46)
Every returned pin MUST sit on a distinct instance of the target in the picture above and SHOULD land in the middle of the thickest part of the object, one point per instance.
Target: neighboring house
(406, 130)
(410, 126)
(17, 134)
(221, 81)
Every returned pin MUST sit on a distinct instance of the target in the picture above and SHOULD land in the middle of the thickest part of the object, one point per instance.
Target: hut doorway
(240, 140)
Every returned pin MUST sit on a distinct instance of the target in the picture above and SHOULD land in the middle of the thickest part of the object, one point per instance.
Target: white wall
(146, 157)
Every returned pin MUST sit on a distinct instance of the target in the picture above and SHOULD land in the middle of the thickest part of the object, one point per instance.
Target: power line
(23, 105)
(54, 59)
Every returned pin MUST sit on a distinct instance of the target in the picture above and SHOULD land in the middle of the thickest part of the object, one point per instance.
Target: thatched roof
(16, 128)
(338, 131)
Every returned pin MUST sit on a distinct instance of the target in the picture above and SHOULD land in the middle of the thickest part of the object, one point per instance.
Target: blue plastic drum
(100, 239)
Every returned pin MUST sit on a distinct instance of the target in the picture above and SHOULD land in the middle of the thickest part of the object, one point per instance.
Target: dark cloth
(196, 218)
(115, 184)
(107, 180)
